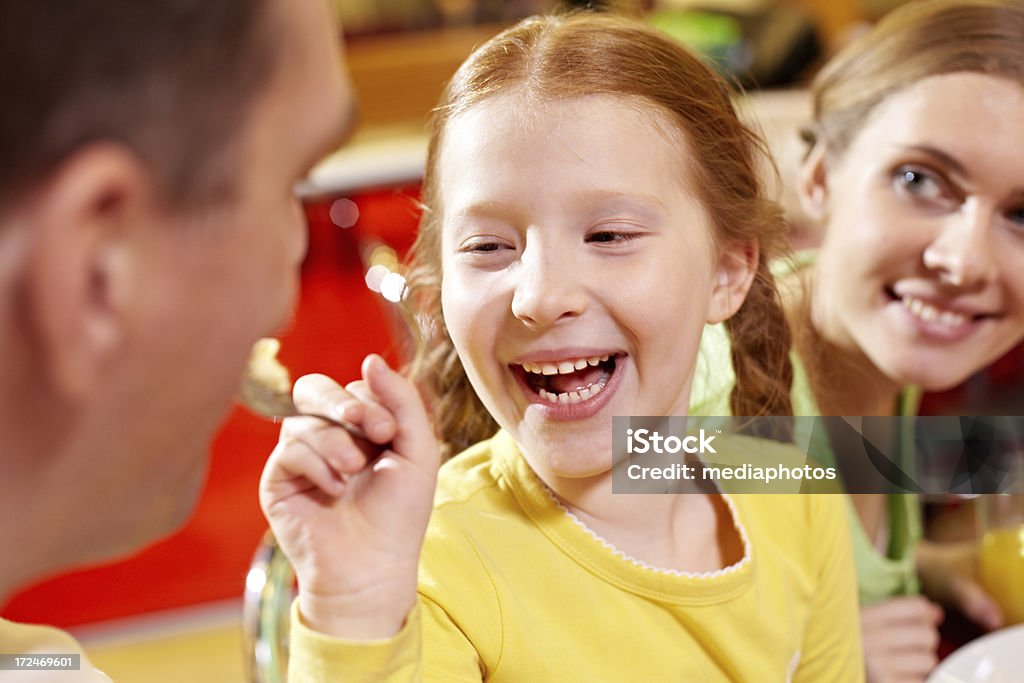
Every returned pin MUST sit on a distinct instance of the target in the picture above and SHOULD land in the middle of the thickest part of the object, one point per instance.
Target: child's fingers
(376, 420)
(292, 464)
(355, 404)
(330, 442)
(319, 394)
(413, 439)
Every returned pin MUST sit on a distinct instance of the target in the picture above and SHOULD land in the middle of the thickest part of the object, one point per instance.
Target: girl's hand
(353, 528)
(949, 574)
(901, 636)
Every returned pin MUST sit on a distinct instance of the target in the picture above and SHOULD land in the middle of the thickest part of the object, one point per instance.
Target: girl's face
(922, 266)
(579, 269)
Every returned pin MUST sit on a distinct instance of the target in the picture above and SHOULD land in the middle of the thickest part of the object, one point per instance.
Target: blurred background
(172, 612)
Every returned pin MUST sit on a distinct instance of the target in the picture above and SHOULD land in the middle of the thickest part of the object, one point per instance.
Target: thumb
(414, 437)
(976, 604)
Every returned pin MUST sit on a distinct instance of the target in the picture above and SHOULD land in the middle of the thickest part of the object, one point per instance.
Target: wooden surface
(399, 78)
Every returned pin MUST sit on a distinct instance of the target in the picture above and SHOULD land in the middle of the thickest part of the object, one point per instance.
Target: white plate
(995, 658)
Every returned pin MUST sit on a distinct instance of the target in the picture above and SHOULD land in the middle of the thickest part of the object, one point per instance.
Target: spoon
(266, 390)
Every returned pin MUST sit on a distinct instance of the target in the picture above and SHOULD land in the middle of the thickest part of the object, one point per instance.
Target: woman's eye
(920, 183)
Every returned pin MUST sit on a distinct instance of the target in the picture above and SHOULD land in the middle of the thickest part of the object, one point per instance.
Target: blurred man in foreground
(148, 236)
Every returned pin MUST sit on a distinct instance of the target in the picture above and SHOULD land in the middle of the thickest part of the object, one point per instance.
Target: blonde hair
(913, 42)
(561, 57)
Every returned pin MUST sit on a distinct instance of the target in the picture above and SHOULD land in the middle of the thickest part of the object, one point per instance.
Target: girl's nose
(961, 254)
(547, 289)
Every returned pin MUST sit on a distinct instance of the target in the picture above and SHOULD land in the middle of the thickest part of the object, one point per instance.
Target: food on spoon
(266, 385)
(265, 368)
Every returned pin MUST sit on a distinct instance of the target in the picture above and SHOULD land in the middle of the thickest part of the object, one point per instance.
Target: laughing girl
(592, 201)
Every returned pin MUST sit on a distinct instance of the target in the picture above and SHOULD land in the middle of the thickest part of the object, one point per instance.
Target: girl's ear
(813, 183)
(733, 276)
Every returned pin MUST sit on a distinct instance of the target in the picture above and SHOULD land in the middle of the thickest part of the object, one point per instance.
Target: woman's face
(922, 264)
(579, 270)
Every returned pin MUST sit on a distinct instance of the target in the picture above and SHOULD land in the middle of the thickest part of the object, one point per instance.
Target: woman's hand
(901, 638)
(352, 527)
(949, 574)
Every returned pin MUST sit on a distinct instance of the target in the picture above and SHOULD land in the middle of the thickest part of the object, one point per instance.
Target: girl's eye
(921, 183)
(482, 247)
(612, 236)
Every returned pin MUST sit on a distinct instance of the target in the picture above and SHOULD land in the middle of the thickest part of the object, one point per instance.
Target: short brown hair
(913, 42)
(560, 57)
(168, 78)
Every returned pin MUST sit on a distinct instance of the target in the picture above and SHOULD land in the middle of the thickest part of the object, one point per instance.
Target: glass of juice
(1001, 553)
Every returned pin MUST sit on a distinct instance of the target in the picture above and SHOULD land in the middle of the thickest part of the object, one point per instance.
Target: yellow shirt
(513, 588)
(26, 639)
(881, 574)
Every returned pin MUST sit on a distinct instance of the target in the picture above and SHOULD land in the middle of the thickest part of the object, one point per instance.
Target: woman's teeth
(931, 314)
(565, 367)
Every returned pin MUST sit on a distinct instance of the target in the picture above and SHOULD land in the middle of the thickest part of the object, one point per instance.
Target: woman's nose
(548, 288)
(961, 254)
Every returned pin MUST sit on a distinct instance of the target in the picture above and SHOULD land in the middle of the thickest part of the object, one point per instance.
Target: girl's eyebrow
(640, 201)
(485, 208)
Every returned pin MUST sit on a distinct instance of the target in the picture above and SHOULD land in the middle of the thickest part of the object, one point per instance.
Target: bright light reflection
(344, 213)
(392, 287)
(375, 275)
(255, 580)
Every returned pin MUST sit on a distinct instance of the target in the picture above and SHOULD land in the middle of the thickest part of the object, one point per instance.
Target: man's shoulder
(35, 639)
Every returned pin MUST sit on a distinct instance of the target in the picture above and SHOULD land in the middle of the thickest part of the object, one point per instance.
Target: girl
(592, 203)
(916, 175)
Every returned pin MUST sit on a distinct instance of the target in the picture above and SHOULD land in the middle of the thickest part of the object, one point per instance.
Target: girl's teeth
(931, 314)
(564, 367)
(573, 396)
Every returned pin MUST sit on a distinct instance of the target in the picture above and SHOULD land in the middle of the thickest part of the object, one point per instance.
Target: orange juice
(1001, 564)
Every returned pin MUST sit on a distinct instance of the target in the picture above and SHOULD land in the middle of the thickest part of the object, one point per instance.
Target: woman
(915, 174)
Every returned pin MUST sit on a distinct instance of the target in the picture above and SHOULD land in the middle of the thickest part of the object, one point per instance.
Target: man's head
(148, 236)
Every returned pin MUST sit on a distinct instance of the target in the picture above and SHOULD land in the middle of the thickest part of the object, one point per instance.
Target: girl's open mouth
(568, 381)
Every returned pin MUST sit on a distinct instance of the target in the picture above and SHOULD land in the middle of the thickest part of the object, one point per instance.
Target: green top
(879, 576)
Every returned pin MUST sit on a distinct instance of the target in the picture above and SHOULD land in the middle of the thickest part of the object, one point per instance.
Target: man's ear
(81, 269)
(813, 183)
(737, 265)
